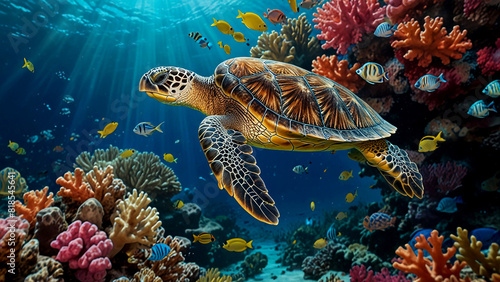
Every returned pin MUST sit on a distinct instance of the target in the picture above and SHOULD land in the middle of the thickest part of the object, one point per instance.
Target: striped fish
(203, 41)
(492, 89)
(385, 30)
(275, 16)
(378, 221)
(146, 128)
(372, 73)
(480, 110)
(429, 82)
(158, 252)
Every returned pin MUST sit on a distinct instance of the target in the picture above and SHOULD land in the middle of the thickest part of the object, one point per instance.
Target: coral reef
(440, 179)
(74, 188)
(134, 222)
(253, 264)
(273, 46)
(298, 32)
(359, 273)
(343, 22)
(50, 222)
(402, 10)
(46, 269)
(20, 185)
(91, 210)
(213, 275)
(488, 59)
(381, 105)
(433, 41)
(339, 72)
(85, 249)
(11, 227)
(34, 201)
(427, 269)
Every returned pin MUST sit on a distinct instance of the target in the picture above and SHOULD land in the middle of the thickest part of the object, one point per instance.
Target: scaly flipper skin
(235, 168)
(394, 165)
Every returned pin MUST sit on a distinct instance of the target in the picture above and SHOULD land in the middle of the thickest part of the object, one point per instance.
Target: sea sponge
(298, 32)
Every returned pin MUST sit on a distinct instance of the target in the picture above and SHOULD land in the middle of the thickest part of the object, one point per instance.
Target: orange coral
(432, 42)
(73, 187)
(35, 201)
(339, 72)
(437, 269)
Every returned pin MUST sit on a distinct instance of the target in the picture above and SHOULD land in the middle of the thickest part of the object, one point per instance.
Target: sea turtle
(275, 105)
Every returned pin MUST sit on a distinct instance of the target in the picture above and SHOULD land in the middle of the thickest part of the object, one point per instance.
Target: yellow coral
(273, 46)
(213, 275)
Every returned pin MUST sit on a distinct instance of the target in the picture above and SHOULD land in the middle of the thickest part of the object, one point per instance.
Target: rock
(191, 214)
(50, 222)
(91, 210)
(206, 225)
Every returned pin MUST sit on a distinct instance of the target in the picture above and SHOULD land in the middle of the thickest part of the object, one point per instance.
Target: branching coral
(213, 275)
(298, 32)
(470, 252)
(343, 22)
(19, 183)
(441, 178)
(35, 201)
(433, 41)
(134, 223)
(339, 72)
(426, 269)
(74, 188)
(273, 46)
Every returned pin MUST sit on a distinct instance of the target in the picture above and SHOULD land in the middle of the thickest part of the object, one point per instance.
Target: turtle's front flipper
(235, 168)
(394, 165)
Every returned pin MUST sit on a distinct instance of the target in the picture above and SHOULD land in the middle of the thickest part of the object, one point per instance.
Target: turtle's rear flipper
(394, 164)
(235, 168)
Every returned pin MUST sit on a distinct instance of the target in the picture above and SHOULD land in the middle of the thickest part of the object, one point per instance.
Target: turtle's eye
(159, 78)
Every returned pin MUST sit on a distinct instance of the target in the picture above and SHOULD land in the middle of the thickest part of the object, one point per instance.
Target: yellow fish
(320, 243)
(313, 206)
(350, 197)
(223, 26)
(252, 21)
(293, 5)
(294, 241)
(239, 37)
(169, 158)
(356, 155)
(341, 215)
(21, 151)
(429, 143)
(29, 65)
(237, 245)
(339, 234)
(178, 204)
(345, 175)
(108, 129)
(325, 170)
(13, 145)
(127, 153)
(204, 238)
(227, 49)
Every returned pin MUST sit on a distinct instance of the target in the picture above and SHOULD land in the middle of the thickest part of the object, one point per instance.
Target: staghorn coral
(46, 269)
(273, 46)
(74, 189)
(134, 222)
(339, 72)
(433, 41)
(298, 32)
(213, 275)
(343, 22)
(488, 59)
(7, 174)
(426, 269)
(35, 201)
(470, 252)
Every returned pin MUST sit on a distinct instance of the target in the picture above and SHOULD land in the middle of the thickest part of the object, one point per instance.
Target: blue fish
(159, 252)
(417, 233)
(487, 236)
(492, 89)
(429, 82)
(378, 221)
(331, 233)
(310, 221)
(480, 110)
(203, 41)
(449, 205)
(372, 73)
(385, 30)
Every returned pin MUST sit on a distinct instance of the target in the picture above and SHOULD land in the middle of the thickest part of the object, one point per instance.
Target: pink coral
(343, 22)
(85, 248)
(440, 178)
(471, 5)
(488, 59)
(361, 274)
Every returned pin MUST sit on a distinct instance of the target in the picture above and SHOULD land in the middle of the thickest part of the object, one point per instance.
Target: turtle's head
(169, 85)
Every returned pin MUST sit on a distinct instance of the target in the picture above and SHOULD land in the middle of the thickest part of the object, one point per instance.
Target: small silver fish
(372, 73)
(146, 128)
(385, 30)
(492, 89)
(429, 82)
(300, 169)
(480, 110)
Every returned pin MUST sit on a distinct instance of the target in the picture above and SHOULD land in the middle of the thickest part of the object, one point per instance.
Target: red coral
(401, 10)
(470, 6)
(433, 41)
(343, 22)
(488, 59)
(339, 72)
(440, 179)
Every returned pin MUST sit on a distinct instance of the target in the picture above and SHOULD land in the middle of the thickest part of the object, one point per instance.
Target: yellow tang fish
(127, 153)
(169, 158)
(178, 204)
(237, 245)
(293, 5)
(341, 215)
(350, 197)
(429, 143)
(21, 151)
(108, 129)
(320, 243)
(13, 145)
(204, 238)
(223, 26)
(313, 206)
(252, 21)
(345, 175)
(29, 65)
(227, 49)
(239, 37)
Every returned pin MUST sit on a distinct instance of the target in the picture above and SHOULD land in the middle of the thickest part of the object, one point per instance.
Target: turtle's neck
(206, 97)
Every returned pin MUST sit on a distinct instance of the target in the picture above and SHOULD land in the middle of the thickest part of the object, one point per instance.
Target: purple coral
(362, 274)
(440, 179)
(85, 248)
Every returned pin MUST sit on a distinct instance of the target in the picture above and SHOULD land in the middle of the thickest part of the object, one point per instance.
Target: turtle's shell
(295, 102)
